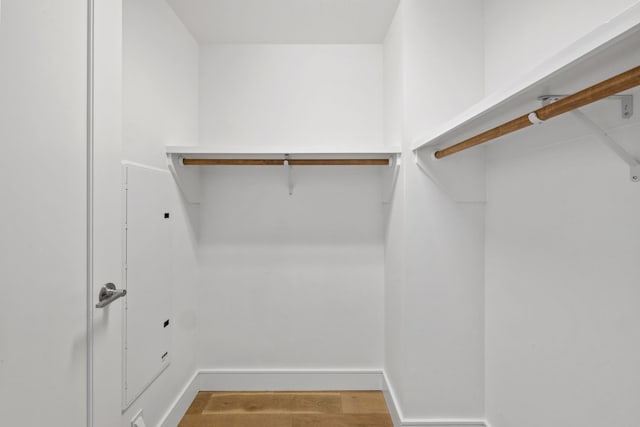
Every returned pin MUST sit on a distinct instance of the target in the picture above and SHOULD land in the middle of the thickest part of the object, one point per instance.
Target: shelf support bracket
(188, 179)
(627, 111)
(390, 178)
(287, 168)
(603, 136)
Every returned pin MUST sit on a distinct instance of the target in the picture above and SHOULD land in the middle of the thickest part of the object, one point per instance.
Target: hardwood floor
(288, 409)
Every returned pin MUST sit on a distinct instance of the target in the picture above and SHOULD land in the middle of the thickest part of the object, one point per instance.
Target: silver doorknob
(108, 294)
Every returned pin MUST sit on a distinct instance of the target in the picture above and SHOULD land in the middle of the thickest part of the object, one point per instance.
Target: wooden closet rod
(280, 162)
(609, 87)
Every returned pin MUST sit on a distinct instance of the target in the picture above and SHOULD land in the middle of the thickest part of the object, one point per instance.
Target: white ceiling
(286, 21)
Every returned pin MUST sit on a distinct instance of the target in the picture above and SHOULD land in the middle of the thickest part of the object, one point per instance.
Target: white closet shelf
(203, 156)
(610, 49)
(185, 161)
(208, 152)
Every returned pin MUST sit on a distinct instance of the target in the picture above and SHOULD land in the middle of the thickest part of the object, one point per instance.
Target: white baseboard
(392, 402)
(399, 419)
(180, 405)
(284, 380)
(442, 423)
(300, 379)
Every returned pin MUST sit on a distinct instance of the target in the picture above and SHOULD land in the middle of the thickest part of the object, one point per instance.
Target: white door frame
(90, 168)
(104, 220)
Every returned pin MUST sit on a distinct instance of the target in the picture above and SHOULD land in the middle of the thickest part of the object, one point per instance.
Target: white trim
(301, 379)
(392, 401)
(142, 165)
(179, 407)
(290, 379)
(89, 210)
(400, 421)
(443, 423)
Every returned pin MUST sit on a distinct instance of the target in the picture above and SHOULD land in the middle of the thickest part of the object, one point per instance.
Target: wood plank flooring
(288, 409)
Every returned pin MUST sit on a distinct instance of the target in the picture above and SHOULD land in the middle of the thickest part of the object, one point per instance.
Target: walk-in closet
(320, 213)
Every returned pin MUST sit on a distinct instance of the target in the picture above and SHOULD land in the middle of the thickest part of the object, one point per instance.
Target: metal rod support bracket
(626, 102)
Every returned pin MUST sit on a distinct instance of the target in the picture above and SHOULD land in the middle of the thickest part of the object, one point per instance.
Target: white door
(43, 230)
(46, 317)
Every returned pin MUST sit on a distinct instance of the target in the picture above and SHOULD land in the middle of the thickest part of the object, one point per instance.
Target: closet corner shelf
(185, 161)
(610, 49)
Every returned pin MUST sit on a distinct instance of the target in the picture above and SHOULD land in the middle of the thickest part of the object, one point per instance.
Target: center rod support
(624, 81)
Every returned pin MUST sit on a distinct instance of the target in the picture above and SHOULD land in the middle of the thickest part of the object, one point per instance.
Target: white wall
(160, 82)
(42, 248)
(561, 258)
(291, 281)
(160, 92)
(562, 289)
(291, 95)
(521, 34)
(436, 365)
(395, 248)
